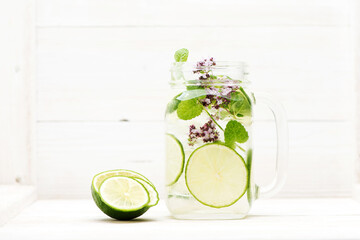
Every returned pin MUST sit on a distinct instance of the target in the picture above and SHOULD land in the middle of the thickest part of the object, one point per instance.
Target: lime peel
(175, 159)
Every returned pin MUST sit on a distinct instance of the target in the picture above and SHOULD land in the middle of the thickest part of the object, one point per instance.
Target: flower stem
(240, 147)
(212, 118)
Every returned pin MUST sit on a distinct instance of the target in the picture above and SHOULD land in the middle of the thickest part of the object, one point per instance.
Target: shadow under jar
(209, 119)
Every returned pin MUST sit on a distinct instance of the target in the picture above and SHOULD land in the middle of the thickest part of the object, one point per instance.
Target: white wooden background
(17, 90)
(101, 62)
(356, 27)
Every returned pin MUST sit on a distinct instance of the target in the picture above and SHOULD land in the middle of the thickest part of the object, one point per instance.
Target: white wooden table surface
(269, 219)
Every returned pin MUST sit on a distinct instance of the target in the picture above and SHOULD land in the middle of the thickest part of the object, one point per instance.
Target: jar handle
(282, 146)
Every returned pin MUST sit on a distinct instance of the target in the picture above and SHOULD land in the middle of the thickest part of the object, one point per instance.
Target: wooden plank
(320, 164)
(106, 73)
(269, 219)
(117, 104)
(16, 90)
(356, 41)
(191, 13)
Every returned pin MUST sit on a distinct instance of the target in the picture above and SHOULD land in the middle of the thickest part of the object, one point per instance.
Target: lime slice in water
(123, 198)
(216, 175)
(175, 159)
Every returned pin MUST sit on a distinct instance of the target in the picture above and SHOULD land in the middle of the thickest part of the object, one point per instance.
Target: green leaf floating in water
(173, 104)
(189, 109)
(235, 132)
(181, 55)
(193, 85)
(240, 104)
(186, 95)
(192, 94)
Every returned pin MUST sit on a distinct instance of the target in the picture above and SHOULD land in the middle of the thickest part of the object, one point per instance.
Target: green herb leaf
(235, 132)
(223, 114)
(244, 94)
(173, 104)
(181, 55)
(194, 93)
(193, 85)
(189, 109)
(240, 104)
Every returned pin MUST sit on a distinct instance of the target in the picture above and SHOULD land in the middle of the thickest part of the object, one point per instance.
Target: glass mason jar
(209, 119)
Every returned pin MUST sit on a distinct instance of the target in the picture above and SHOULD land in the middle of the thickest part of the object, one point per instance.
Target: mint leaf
(181, 55)
(245, 95)
(240, 104)
(194, 93)
(193, 85)
(235, 132)
(189, 109)
(173, 104)
(237, 104)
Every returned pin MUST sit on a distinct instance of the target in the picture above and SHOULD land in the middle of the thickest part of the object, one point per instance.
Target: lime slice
(123, 198)
(249, 164)
(216, 175)
(175, 159)
(99, 178)
(154, 196)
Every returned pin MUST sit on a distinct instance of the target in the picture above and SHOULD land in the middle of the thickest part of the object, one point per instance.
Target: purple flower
(207, 133)
(226, 91)
(218, 89)
(204, 67)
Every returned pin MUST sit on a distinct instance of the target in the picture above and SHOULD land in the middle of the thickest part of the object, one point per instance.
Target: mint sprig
(227, 101)
(235, 132)
(189, 109)
(181, 55)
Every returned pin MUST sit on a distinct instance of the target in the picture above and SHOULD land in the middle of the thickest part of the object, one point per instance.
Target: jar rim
(219, 65)
(180, 69)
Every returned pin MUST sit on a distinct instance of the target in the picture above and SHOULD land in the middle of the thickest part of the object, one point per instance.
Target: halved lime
(99, 178)
(153, 194)
(123, 198)
(216, 175)
(175, 159)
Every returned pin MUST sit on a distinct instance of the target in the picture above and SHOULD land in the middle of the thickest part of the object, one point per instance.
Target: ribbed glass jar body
(208, 142)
